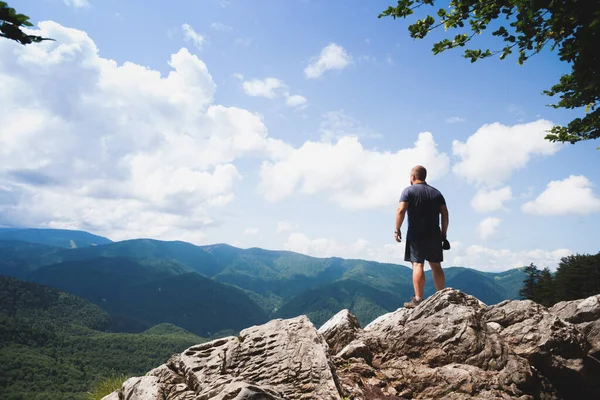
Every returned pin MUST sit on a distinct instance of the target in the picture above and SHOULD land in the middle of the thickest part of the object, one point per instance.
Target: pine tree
(545, 289)
(529, 283)
(578, 276)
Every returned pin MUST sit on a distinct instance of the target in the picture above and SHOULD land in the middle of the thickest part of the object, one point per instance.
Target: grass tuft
(106, 386)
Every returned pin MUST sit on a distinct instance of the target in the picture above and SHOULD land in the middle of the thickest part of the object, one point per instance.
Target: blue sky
(284, 125)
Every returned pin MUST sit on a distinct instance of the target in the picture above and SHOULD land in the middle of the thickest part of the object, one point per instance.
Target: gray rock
(455, 347)
(356, 349)
(585, 313)
(452, 346)
(578, 311)
(283, 359)
(112, 396)
(340, 330)
(592, 333)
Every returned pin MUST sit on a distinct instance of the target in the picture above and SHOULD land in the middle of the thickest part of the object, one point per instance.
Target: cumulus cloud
(120, 150)
(572, 195)
(77, 3)
(495, 151)
(332, 56)
(348, 174)
(478, 257)
(324, 247)
(191, 35)
(268, 87)
(491, 200)
(271, 88)
(497, 260)
(295, 100)
(488, 228)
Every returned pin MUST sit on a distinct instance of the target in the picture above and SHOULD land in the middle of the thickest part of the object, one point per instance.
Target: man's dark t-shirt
(424, 204)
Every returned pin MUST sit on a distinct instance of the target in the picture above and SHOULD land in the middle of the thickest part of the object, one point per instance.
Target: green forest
(53, 344)
(577, 277)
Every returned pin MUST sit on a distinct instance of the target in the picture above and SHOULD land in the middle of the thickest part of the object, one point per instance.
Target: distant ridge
(277, 282)
(54, 237)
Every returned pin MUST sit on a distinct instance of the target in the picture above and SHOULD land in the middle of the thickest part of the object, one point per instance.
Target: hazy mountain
(272, 280)
(54, 237)
(18, 259)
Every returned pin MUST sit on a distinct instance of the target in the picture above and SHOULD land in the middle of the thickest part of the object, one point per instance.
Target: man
(424, 237)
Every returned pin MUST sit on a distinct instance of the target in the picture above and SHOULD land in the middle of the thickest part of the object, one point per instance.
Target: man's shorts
(418, 251)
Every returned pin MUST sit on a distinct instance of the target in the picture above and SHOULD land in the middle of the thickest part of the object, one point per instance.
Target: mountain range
(217, 289)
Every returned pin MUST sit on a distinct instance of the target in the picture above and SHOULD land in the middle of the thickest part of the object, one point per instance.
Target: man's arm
(400, 213)
(445, 220)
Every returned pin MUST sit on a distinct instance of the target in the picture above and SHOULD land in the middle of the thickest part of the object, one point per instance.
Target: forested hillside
(53, 344)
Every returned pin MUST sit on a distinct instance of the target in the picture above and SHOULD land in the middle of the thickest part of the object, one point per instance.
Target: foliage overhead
(526, 27)
(11, 24)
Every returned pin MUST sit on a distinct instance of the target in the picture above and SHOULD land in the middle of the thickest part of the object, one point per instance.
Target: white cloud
(572, 195)
(350, 175)
(332, 56)
(271, 88)
(238, 76)
(488, 228)
(491, 200)
(454, 120)
(284, 226)
(218, 26)
(77, 3)
(268, 87)
(295, 100)
(495, 151)
(324, 247)
(251, 232)
(497, 260)
(190, 34)
(389, 59)
(120, 150)
(478, 257)
(337, 124)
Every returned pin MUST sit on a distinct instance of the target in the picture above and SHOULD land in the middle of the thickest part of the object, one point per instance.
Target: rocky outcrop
(451, 346)
(585, 313)
(340, 330)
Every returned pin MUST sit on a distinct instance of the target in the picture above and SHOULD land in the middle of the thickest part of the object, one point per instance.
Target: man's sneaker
(413, 303)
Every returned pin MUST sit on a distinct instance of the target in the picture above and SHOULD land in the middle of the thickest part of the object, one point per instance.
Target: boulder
(340, 330)
(578, 311)
(283, 359)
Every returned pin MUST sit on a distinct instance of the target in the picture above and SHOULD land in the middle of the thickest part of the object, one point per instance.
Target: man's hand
(400, 213)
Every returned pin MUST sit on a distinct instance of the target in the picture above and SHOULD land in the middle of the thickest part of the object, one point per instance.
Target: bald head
(419, 173)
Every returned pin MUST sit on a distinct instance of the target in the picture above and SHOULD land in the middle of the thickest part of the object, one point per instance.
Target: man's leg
(418, 279)
(438, 275)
